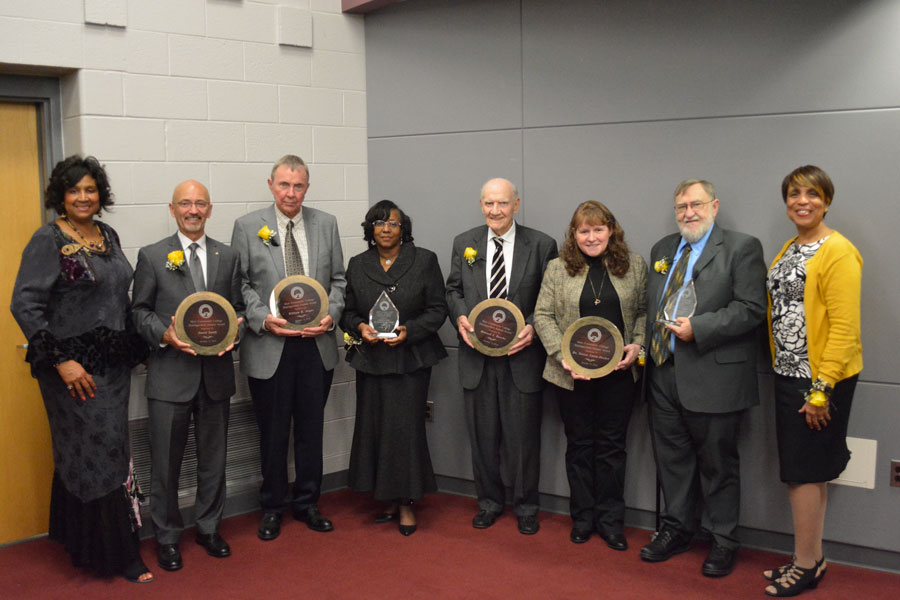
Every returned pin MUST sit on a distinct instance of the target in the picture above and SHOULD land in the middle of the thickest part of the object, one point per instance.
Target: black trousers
(697, 460)
(595, 416)
(504, 421)
(295, 394)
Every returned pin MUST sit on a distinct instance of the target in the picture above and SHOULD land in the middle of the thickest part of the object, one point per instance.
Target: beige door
(26, 458)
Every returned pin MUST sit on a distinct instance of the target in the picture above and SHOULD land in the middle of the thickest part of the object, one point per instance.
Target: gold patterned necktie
(293, 262)
(659, 345)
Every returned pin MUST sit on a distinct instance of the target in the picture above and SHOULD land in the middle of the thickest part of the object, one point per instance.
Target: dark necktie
(293, 262)
(498, 272)
(196, 269)
(659, 345)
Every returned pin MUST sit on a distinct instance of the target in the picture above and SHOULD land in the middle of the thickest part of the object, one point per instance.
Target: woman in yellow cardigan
(595, 275)
(814, 291)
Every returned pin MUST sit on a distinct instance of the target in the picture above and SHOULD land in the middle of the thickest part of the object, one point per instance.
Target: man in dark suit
(180, 384)
(702, 374)
(502, 394)
(289, 371)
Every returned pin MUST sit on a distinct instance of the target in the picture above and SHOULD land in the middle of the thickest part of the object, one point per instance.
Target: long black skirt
(99, 534)
(390, 454)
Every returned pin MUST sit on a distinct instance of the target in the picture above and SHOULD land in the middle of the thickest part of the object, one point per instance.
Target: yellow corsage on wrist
(817, 398)
(642, 357)
(470, 255)
(174, 260)
(662, 265)
(266, 235)
(351, 342)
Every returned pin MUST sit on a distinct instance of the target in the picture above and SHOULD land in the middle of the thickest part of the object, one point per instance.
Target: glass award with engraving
(497, 324)
(592, 347)
(207, 322)
(299, 300)
(384, 317)
(682, 303)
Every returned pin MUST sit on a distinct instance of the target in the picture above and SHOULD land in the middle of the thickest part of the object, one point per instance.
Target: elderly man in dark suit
(289, 371)
(180, 384)
(502, 394)
(702, 374)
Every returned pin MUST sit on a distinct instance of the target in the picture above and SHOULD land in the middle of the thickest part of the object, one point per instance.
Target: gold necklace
(602, 283)
(96, 246)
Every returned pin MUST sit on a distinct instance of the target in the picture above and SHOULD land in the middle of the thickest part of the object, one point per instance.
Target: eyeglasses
(695, 206)
(187, 204)
(391, 224)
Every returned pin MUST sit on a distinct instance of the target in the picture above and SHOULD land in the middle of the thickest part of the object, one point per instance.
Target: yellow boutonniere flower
(470, 254)
(174, 260)
(662, 265)
(266, 234)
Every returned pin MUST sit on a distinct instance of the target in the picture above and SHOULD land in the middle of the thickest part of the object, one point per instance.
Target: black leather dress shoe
(616, 541)
(168, 557)
(214, 544)
(270, 526)
(484, 519)
(313, 519)
(665, 545)
(579, 535)
(720, 561)
(528, 524)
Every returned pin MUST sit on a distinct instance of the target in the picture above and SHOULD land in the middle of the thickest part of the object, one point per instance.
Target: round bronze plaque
(592, 347)
(207, 322)
(301, 301)
(497, 324)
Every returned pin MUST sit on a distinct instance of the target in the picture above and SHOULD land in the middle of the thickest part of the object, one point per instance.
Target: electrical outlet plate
(895, 473)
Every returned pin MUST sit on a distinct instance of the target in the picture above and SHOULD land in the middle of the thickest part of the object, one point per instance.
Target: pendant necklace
(96, 246)
(595, 292)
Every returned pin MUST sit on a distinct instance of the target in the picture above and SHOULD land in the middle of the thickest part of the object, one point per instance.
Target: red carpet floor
(446, 558)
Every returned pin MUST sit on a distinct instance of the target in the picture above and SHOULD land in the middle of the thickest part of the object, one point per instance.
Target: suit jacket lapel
(670, 254)
(521, 252)
(312, 241)
(479, 269)
(184, 273)
(269, 220)
(212, 262)
(713, 246)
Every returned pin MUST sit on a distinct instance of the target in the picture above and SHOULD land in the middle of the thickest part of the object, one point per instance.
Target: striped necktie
(659, 345)
(498, 272)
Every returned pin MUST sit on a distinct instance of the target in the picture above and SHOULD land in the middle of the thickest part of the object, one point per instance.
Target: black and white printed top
(786, 282)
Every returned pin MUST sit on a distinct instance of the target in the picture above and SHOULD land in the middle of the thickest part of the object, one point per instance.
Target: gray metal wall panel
(633, 168)
(670, 76)
(444, 65)
(636, 60)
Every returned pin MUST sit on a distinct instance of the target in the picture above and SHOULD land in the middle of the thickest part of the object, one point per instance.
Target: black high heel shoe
(406, 530)
(390, 514)
(796, 580)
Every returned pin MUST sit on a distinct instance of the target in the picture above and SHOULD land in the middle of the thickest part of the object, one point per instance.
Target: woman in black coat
(389, 455)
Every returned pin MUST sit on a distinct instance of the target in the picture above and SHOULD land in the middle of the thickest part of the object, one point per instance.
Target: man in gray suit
(289, 371)
(502, 394)
(702, 374)
(180, 384)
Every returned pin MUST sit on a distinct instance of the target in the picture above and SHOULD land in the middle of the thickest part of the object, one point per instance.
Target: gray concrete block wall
(618, 101)
(165, 90)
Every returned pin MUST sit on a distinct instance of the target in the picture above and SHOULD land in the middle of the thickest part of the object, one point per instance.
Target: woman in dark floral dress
(71, 301)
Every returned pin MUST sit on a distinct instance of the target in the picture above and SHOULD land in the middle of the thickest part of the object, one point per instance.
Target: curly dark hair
(616, 256)
(381, 211)
(67, 173)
